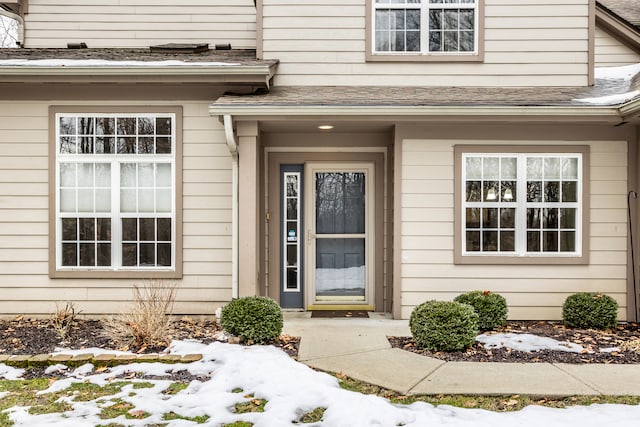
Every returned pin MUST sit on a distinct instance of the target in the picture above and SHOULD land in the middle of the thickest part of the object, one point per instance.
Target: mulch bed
(591, 340)
(38, 336)
(22, 336)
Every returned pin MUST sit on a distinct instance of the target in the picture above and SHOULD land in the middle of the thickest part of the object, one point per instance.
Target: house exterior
(357, 154)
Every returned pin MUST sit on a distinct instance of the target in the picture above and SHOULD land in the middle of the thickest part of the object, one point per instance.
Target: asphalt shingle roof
(369, 96)
(242, 57)
(629, 10)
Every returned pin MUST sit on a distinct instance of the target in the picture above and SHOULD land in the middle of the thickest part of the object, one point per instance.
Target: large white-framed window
(527, 205)
(115, 184)
(425, 27)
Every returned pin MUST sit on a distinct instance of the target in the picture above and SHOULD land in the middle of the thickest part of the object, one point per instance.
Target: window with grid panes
(115, 183)
(521, 204)
(425, 26)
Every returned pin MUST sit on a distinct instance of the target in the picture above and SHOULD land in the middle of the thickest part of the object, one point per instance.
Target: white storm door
(340, 241)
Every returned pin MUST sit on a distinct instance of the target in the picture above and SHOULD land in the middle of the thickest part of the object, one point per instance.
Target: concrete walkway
(359, 349)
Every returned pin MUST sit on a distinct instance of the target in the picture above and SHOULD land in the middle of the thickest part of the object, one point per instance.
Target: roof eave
(591, 114)
(630, 111)
(251, 74)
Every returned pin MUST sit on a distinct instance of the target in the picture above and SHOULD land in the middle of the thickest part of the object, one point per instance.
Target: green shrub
(590, 310)
(491, 308)
(257, 319)
(444, 325)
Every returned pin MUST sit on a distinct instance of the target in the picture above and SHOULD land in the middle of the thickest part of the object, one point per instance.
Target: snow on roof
(94, 63)
(629, 74)
(626, 72)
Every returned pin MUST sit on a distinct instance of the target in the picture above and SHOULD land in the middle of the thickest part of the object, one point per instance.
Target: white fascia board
(631, 108)
(604, 114)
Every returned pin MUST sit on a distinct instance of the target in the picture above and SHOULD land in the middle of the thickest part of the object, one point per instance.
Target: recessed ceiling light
(325, 127)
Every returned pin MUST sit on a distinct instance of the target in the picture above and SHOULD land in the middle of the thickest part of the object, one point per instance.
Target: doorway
(325, 237)
(339, 245)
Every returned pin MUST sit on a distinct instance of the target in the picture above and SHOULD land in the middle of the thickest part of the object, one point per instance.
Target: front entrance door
(339, 235)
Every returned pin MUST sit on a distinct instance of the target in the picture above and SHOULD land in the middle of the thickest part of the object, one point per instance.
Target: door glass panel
(291, 242)
(340, 269)
(340, 203)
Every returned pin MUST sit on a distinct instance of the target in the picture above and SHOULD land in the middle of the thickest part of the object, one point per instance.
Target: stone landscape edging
(99, 360)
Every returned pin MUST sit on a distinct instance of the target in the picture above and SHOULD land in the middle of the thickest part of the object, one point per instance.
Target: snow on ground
(527, 342)
(9, 373)
(291, 389)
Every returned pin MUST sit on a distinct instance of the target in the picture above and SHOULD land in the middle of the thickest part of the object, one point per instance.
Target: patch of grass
(84, 392)
(362, 387)
(489, 403)
(4, 420)
(18, 385)
(24, 393)
(253, 405)
(239, 424)
(175, 388)
(237, 390)
(314, 416)
(141, 385)
(121, 407)
(201, 419)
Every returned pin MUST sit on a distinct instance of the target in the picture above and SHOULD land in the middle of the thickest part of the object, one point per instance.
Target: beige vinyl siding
(140, 23)
(24, 281)
(527, 43)
(427, 269)
(610, 52)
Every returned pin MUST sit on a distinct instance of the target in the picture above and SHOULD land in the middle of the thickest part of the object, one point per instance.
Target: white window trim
(521, 206)
(424, 6)
(285, 222)
(115, 160)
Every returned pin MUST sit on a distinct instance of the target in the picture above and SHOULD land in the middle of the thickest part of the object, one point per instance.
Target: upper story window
(115, 183)
(425, 26)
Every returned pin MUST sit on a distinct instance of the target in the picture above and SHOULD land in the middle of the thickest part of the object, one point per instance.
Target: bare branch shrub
(147, 323)
(64, 318)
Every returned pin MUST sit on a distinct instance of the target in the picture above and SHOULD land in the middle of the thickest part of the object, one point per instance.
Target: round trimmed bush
(491, 308)
(590, 310)
(444, 325)
(257, 319)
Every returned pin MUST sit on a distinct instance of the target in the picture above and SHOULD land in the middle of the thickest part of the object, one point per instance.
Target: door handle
(310, 236)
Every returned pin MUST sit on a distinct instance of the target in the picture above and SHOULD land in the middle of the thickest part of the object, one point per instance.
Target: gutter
(607, 114)
(232, 145)
(630, 110)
